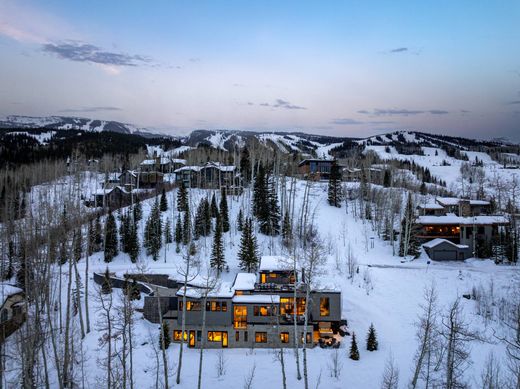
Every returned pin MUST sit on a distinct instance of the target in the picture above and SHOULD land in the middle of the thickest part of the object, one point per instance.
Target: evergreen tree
(98, 234)
(168, 237)
(91, 247)
(334, 191)
(178, 230)
(164, 201)
(64, 248)
(409, 243)
(368, 211)
(77, 244)
(260, 195)
(354, 352)
(274, 210)
(186, 227)
(240, 220)
(124, 226)
(153, 232)
(286, 229)
(248, 252)
(133, 291)
(138, 211)
(207, 217)
(224, 213)
(182, 198)
(387, 230)
(387, 179)
(245, 165)
(372, 339)
(164, 335)
(214, 209)
(133, 243)
(110, 237)
(106, 286)
(217, 260)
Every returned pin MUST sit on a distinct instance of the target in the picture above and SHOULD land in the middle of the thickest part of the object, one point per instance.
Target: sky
(342, 68)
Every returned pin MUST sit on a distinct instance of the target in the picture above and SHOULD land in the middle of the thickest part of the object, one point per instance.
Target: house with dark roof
(12, 310)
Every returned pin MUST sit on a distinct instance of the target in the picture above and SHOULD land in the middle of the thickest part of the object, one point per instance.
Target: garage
(444, 250)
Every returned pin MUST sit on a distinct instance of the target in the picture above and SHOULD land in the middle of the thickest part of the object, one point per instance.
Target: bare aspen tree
(390, 379)
(426, 337)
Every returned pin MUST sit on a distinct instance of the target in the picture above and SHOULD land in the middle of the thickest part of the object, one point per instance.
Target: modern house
(464, 207)
(114, 197)
(12, 310)
(431, 209)
(212, 175)
(315, 169)
(253, 311)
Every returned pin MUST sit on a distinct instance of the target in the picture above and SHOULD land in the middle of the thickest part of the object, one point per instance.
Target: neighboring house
(351, 174)
(12, 310)
(161, 164)
(464, 207)
(212, 175)
(115, 197)
(251, 312)
(444, 250)
(431, 209)
(315, 169)
(459, 229)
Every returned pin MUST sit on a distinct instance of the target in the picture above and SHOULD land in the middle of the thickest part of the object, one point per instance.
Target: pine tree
(91, 247)
(224, 213)
(133, 243)
(110, 238)
(138, 211)
(334, 190)
(248, 253)
(186, 227)
(164, 336)
(106, 286)
(178, 230)
(207, 217)
(182, 198)
(372, 339)
(387, 179)
(260, 194)
(98, 234)
(164, 201)
(274, 210)
(245, 165)
(217, 260)
(409, 243)
(168, 237)
(240, 220)
(133, 292)
(153, 232)
(368, 211)
(354, 352)
(124, 225)
(77, 244)
(214, 209)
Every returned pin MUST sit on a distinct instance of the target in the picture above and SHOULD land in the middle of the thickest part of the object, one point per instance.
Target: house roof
(257, 299)
(460, 220)
(275, 263)
(430, 206)
(244, 281)
(456, 201)
(6, 291)
(438, 241)
(222, 290)
(315, 160)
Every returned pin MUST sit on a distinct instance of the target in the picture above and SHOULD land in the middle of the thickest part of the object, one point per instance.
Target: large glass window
(216, 306)
(240, 316)
(324, 306)
(284, 337)
(193, 305)
(287, 305)
(264, 310)
(214, 336)
(177, 335)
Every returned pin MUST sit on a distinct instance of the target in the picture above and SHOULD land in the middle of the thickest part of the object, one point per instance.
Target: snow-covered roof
(6, 291)
(438, 241)
(188, 168)
(315, 160)
(460, 220)
(456, 201)
(102, 192)
(430, 206)
(275, 263)
(218, 165)
(244, 281)
(161, 160)
(176, 160)
(222, 290)
(257, 299)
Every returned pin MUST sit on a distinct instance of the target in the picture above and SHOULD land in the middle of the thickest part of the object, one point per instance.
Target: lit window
(324, 306)
(193, 305)
(260, 337)
(214, 336)
(177, 335)
(284, 337)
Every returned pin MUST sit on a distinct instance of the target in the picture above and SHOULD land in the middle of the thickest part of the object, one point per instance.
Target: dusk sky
(345, 68)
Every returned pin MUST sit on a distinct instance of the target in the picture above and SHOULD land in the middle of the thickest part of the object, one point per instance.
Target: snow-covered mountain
(72, 123)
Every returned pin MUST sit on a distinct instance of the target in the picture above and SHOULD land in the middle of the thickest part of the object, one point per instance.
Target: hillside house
(255, 310)
(115, 197)
(443, 250)
(315, 169)
(12, 310)
(212, 175)
(464, 207)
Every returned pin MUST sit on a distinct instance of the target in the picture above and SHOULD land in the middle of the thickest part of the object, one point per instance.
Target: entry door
(192, 339)
(224, 339)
